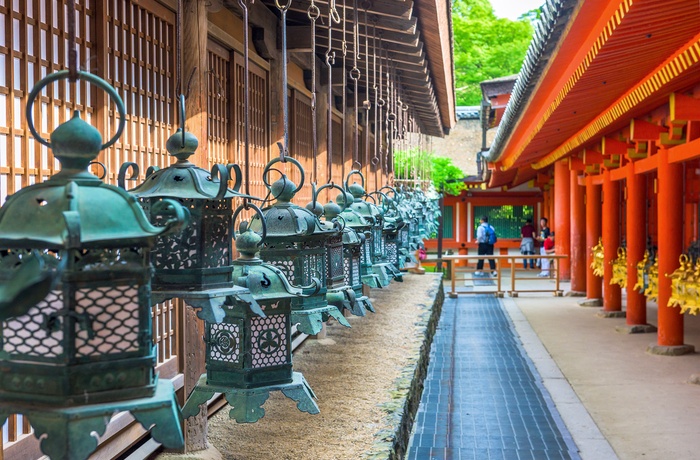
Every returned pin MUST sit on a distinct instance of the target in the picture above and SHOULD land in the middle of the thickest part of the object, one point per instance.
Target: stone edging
(391, 443)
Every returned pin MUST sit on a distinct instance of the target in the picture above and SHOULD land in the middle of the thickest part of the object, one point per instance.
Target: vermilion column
(578, 235)
(612, 294)
(670, 211)
(594, 284)
(562, 223)
(636, 237)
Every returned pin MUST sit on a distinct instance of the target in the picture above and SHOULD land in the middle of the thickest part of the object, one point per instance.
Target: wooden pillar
(562, 225)
(612, 294)
(195, 59)
(636, 237)
(594, 285)
(670, 212)
(578, 234)
(465, 223)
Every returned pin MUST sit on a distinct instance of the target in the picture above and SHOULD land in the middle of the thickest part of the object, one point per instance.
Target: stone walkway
(483, 398)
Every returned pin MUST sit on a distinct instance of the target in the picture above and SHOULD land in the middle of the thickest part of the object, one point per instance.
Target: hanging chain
(330, 60)
(377, 129)
(344, 91)
(246, 99)
(284, 149)
(313, 13)
(365, 104)
(355, 74)
(72, 47)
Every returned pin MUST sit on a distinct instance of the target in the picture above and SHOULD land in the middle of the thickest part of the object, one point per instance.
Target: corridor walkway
(483, 397)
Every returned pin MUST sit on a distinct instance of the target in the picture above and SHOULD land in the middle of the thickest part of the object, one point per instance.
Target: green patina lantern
(296, 244)
(362, 227)
(384, 271)
(393, 224)
(75, 313)
(341, 291)
(250, 353)
(195, 265)
(353, 242)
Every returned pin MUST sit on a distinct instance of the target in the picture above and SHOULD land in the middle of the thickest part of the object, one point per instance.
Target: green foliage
(416, 163)
(442, 170)
(486, 47)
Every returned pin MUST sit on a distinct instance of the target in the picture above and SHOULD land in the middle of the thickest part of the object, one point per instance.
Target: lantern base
(345, 299)
(247, 403)
(69, 430)
(381, 272)
(372, 281)
(311, 321)
(208, 303)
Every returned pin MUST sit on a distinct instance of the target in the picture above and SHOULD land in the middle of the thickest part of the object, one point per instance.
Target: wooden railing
(507, 273)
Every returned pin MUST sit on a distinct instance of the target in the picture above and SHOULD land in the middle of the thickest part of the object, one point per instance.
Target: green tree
(486, 47)
(440, 170)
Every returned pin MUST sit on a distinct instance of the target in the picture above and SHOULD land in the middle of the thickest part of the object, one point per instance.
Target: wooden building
(605, 118)
(400, 53)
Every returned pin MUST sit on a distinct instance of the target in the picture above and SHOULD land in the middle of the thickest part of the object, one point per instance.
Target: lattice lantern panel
(200, 257)
(336, 270)
(85, 339)
(247, 350)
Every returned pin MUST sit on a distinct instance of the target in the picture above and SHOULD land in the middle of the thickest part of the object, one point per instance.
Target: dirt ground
(360, 376)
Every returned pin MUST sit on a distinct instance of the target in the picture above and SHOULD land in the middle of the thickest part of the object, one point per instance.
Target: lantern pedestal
(380, 271)
(310, 321)
(345, 298)
(247, 403)
(69, 430)
(209, 302)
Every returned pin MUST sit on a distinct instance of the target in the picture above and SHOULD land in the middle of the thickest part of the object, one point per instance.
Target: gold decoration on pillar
(619, 276)
(598, 254)
(679, 278)
(652, 289)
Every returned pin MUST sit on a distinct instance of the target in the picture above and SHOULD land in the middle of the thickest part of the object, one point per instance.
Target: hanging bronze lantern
(340, 290)
(296, 244)
(363, 228)
(384, 271)
(393, 224)
(75, 330)
(250, 353)
(195, 265)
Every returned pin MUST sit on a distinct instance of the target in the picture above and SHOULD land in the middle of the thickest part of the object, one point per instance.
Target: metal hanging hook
(313, 13)
(246, 99)
(284, 146)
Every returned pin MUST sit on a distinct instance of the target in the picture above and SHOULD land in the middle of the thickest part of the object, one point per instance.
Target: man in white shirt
(485, 248)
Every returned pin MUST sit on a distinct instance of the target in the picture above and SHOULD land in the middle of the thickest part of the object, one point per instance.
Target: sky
(511, 9)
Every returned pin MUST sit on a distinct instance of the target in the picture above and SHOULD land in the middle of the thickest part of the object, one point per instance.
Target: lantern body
(249, 353)
(296, 244)
(76, 340)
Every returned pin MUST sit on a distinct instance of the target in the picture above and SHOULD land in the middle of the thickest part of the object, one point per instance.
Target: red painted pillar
(636, 237)
(578, 235)
(670, 211)
(594, 284)
(612, 294)
(562, 225)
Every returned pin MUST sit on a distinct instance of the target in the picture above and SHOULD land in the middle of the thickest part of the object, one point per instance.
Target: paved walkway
(483, 397)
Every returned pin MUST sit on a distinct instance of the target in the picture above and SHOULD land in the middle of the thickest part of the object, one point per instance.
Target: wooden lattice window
(337, 152)
(301, 144)
(140, 64)
(219, 104)
(259, 128)
(32, 45)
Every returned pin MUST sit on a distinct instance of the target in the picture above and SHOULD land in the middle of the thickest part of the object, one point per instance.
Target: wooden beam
(592, 157)
(684, 152)
(683, 108)
(641, 130)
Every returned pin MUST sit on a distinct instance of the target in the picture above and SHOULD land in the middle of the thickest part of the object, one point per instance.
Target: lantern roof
(184, 179)
(74, 208)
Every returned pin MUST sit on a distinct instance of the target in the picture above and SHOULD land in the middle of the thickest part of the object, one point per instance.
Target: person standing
(548, 249)
(544, 233)
(483, 237)
(527, 244)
